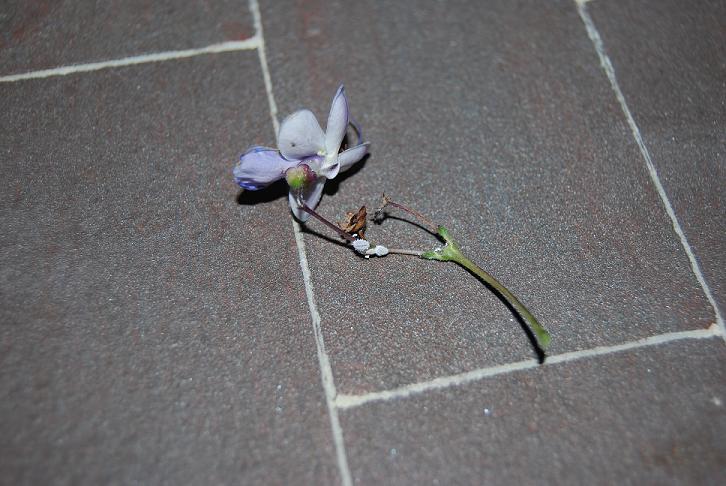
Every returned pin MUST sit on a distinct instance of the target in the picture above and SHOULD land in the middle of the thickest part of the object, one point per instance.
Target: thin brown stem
(434, 228)
(327, 223)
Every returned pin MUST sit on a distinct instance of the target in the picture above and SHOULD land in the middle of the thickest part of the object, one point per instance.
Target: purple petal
(311, 197)
(352, 155)
(300, 136)
(337, 122)
(259, 167)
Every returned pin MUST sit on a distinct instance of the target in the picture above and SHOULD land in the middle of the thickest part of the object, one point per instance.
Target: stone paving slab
(42, 35)
(499, 122)
(152, 329)
(670, 59)
(647, 416)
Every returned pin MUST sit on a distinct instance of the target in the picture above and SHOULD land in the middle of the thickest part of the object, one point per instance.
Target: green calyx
(300, 176)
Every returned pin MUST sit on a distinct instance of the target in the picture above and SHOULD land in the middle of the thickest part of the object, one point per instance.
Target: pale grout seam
(243, 45)
(262, 53)
(326, 370)
(610, 72)
(344, 401)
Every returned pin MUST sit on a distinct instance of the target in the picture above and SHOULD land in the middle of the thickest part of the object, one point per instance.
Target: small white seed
(361, 245)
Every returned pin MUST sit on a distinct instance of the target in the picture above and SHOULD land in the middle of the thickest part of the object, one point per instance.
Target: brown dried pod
(355, 222)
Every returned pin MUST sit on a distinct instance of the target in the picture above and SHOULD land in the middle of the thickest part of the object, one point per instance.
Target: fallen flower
(306, 158)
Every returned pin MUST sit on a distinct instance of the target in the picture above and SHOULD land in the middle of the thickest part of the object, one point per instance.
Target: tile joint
(345, 401)
(326, 371)
(607, 66)
(243, 45)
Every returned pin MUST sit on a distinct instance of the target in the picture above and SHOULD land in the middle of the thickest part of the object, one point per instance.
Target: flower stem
(405, 252)
(387, 201)
(452, 253)
(327, 223)
(543, 337)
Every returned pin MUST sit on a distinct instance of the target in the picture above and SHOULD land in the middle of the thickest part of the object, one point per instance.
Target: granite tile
(646, 416)
(41, 34)
(497, 121)
(153, 330)
(674, 81)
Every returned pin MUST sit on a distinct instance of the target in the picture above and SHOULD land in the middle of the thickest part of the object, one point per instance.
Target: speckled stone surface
(500, 123)
(152, 329)
(675, 83)
(42, 34)
(154, 324)
(647, 416)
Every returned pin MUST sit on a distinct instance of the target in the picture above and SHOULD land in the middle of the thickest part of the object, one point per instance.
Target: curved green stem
(543, 337)
(451, 252)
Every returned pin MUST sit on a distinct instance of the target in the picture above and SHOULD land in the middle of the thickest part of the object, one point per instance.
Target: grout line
(349, 401)
(262, 52)
(610, 72)
(243, 45)
(326, 370)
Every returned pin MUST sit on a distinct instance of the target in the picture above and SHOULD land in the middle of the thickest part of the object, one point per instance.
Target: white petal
(337, 122)
(300, 136)
(352, 155)
(311, 197)
(330, 167)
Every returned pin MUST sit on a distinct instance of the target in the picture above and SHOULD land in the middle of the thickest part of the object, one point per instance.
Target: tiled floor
(159, 327)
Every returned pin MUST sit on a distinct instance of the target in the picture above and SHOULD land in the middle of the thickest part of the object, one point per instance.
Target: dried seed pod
(355, 222)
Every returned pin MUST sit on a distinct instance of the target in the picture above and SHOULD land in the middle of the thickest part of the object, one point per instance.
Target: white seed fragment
(361, 245)
(381, 250)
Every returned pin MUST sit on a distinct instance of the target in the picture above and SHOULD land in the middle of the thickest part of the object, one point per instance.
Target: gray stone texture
(498, 122)
(154, 325)
(42, 34)
(646, 416)
(153, 330)
(670, 59)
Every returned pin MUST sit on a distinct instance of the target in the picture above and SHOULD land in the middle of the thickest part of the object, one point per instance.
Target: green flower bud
(300, 176)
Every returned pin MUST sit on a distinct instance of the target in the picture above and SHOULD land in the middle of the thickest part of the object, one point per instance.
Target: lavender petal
(330, 171)
(300, 136)
(311, 197)
(259, 167)
(352, 155)
(337, 122)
